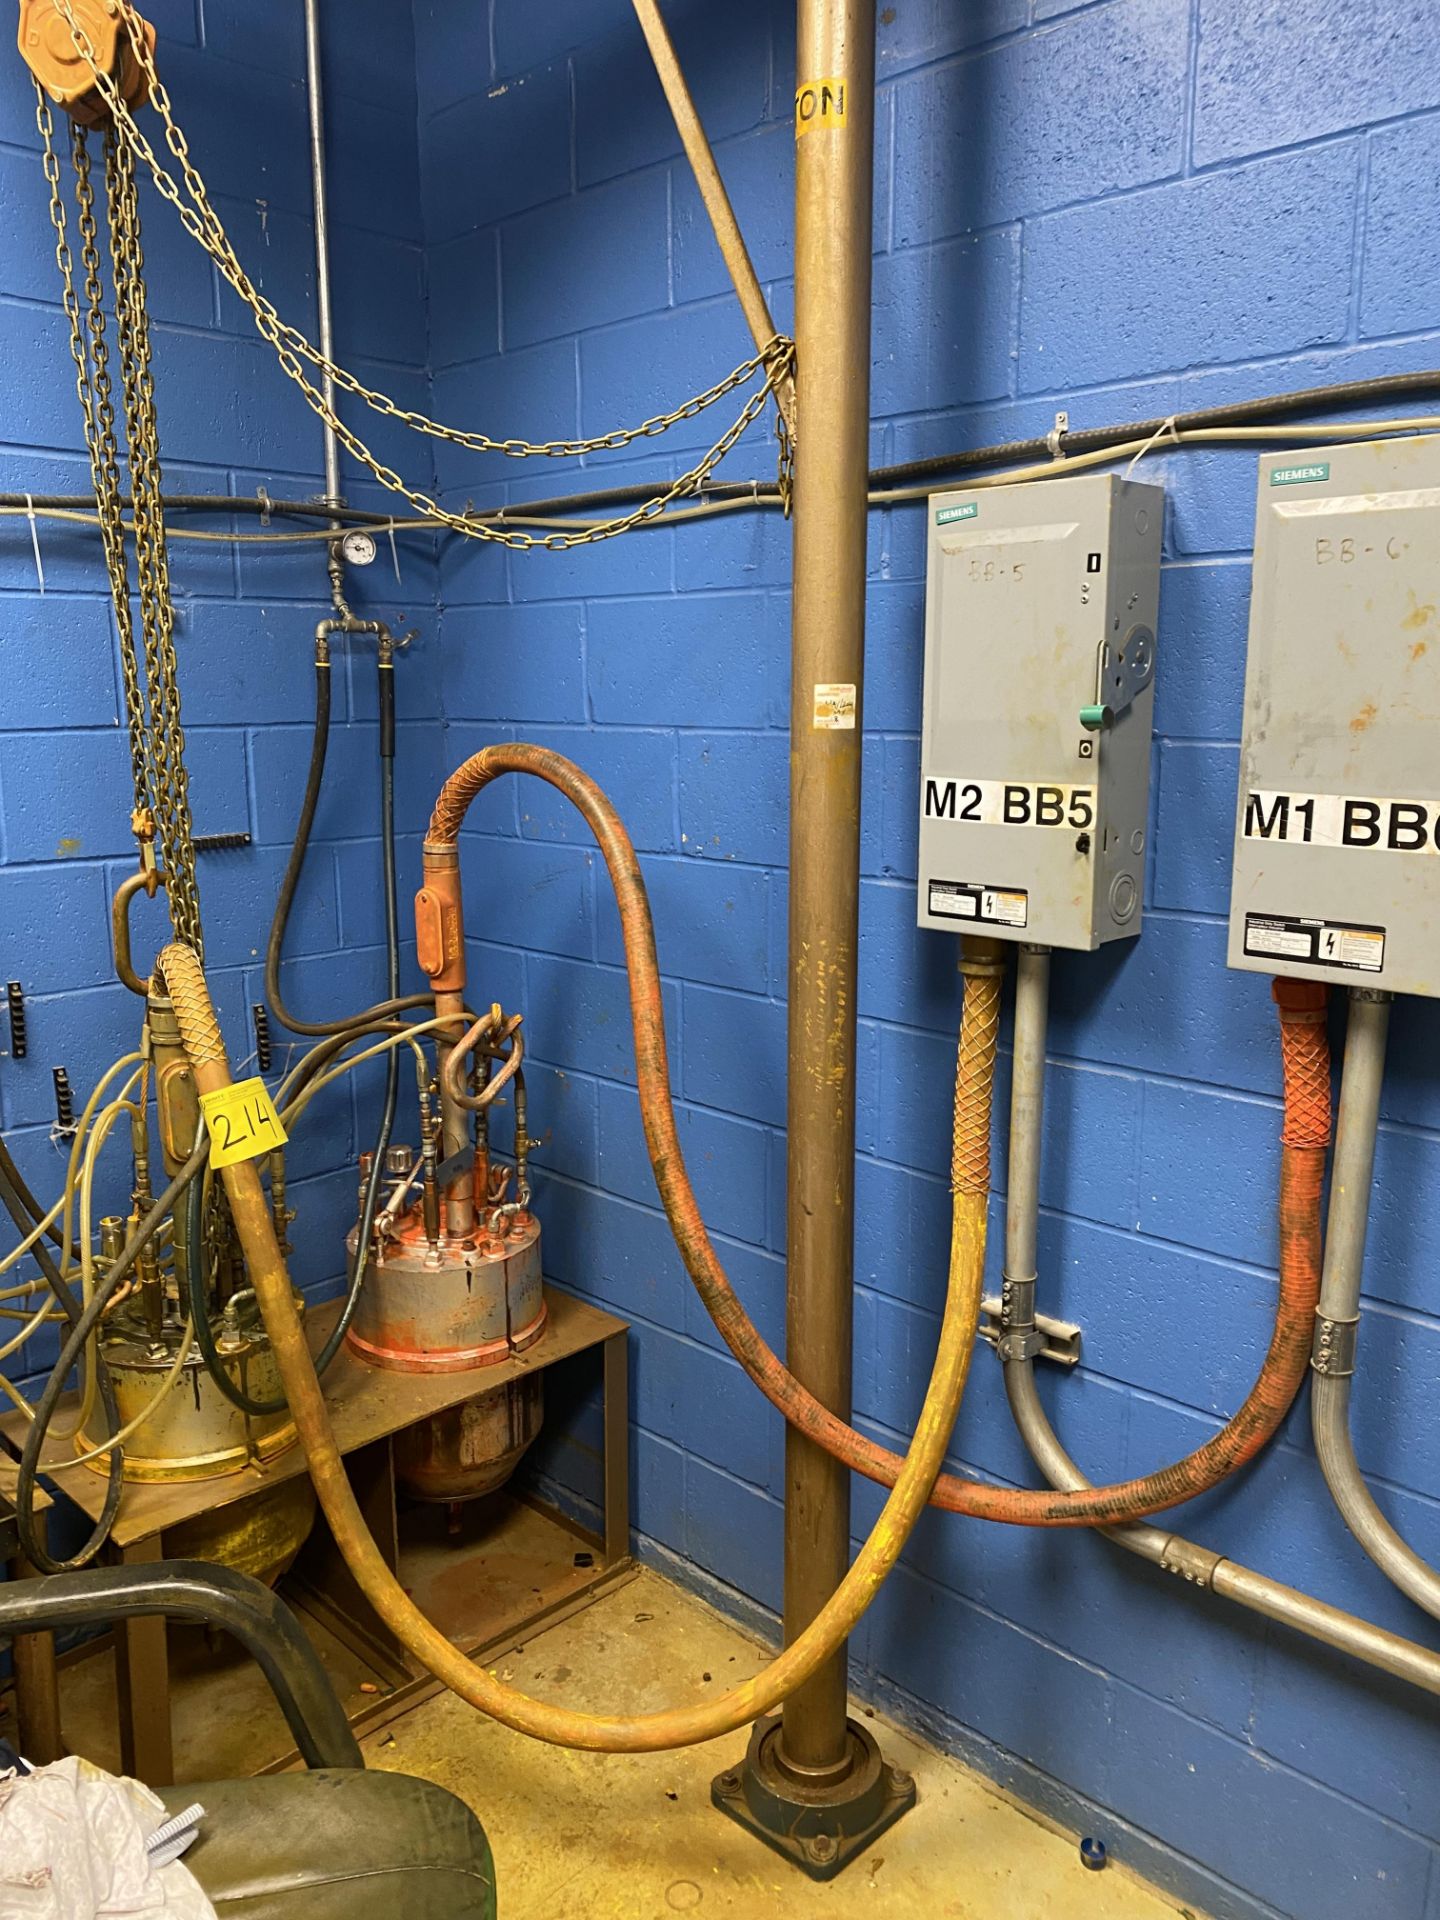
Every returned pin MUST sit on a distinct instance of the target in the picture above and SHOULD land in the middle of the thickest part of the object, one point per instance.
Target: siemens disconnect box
(1039, 665)
(1338, 826)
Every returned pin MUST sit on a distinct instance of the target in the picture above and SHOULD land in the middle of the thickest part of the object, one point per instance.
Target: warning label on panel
(986, 906)
(1319, 943)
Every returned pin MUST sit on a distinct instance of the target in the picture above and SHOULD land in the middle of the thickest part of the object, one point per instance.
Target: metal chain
(92, 383)
(157, 743)
(157, 614)
(291, 346)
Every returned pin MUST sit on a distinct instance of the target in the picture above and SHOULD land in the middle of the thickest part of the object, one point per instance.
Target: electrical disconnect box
(1338, 826)
(1039, 665)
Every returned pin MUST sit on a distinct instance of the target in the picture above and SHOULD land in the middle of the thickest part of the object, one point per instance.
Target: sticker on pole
(820, 103)
(834, 705)
(243, 1122)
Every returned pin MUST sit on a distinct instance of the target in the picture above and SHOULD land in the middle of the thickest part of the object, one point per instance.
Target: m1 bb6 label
(986, 906)
(1320, 943)
(1010, 803)
(1343, 820)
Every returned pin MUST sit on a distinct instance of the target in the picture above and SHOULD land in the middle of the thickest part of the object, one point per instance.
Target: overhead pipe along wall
(229, 422)
(1051, 202)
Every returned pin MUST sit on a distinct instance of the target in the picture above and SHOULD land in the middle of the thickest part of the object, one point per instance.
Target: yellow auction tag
(243, 1122)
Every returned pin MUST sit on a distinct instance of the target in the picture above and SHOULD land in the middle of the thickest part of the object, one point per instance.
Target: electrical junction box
(1035, 752)
(1337, 835)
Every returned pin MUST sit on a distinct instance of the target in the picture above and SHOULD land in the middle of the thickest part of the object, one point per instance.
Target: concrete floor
(580, 1836)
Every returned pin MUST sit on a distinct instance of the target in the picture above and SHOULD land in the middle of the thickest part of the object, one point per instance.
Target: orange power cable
(1305, 1056)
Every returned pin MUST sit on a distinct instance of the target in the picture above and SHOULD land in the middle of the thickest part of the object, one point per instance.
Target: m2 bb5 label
(1342, 820)
(1009, 803)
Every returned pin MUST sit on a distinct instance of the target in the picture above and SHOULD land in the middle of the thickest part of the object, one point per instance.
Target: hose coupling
(1333, 1350)
(439, 922)
(1301, 1001)
(981, 958)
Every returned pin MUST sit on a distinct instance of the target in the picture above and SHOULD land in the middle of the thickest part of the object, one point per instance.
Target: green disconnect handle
(1094, 718)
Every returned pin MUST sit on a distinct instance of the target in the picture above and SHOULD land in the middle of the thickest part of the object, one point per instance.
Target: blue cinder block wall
(245, 617)
(1121, 209)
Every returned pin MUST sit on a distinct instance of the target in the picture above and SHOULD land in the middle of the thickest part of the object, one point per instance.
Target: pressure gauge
(358, 548)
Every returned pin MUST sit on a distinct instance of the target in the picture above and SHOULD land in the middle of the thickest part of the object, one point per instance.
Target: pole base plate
(819, 1829)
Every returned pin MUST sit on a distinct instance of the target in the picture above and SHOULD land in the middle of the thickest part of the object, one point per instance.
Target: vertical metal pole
(315, 90)
(834, 142)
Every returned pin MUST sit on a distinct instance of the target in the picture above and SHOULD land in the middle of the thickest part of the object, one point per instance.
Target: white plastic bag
(72, 1847)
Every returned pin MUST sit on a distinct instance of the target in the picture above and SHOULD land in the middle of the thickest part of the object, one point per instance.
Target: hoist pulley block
(49, 49)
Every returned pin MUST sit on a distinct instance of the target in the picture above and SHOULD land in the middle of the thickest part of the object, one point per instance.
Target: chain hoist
(292, 349)
(161, 809)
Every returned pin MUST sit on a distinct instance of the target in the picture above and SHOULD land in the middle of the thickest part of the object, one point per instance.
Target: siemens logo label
(1340, 820)
(967, 510)
(1299, 476)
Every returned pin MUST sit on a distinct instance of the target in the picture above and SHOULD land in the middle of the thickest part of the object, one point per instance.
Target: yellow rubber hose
(680, 1726)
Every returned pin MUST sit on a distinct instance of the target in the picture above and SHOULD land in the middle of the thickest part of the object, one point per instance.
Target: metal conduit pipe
(324, 312)
(1337, 1318)
(185, 984)
(1197, 1565)
(1201, 1567)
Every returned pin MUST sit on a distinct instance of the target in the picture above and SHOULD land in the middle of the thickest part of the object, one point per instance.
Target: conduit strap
(1304, 1061)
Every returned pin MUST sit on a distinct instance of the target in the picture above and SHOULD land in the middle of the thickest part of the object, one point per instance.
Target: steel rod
(836, 46)
(324, 312)
(715, 199)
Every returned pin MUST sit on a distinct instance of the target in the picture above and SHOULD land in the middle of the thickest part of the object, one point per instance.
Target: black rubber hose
(275, 946)
(83, 1324)
(366, 1225)
(26, 1198)
(32, 1545)
(370, 1205)
(200, 1317)
(1240, 413)
(227, 503)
